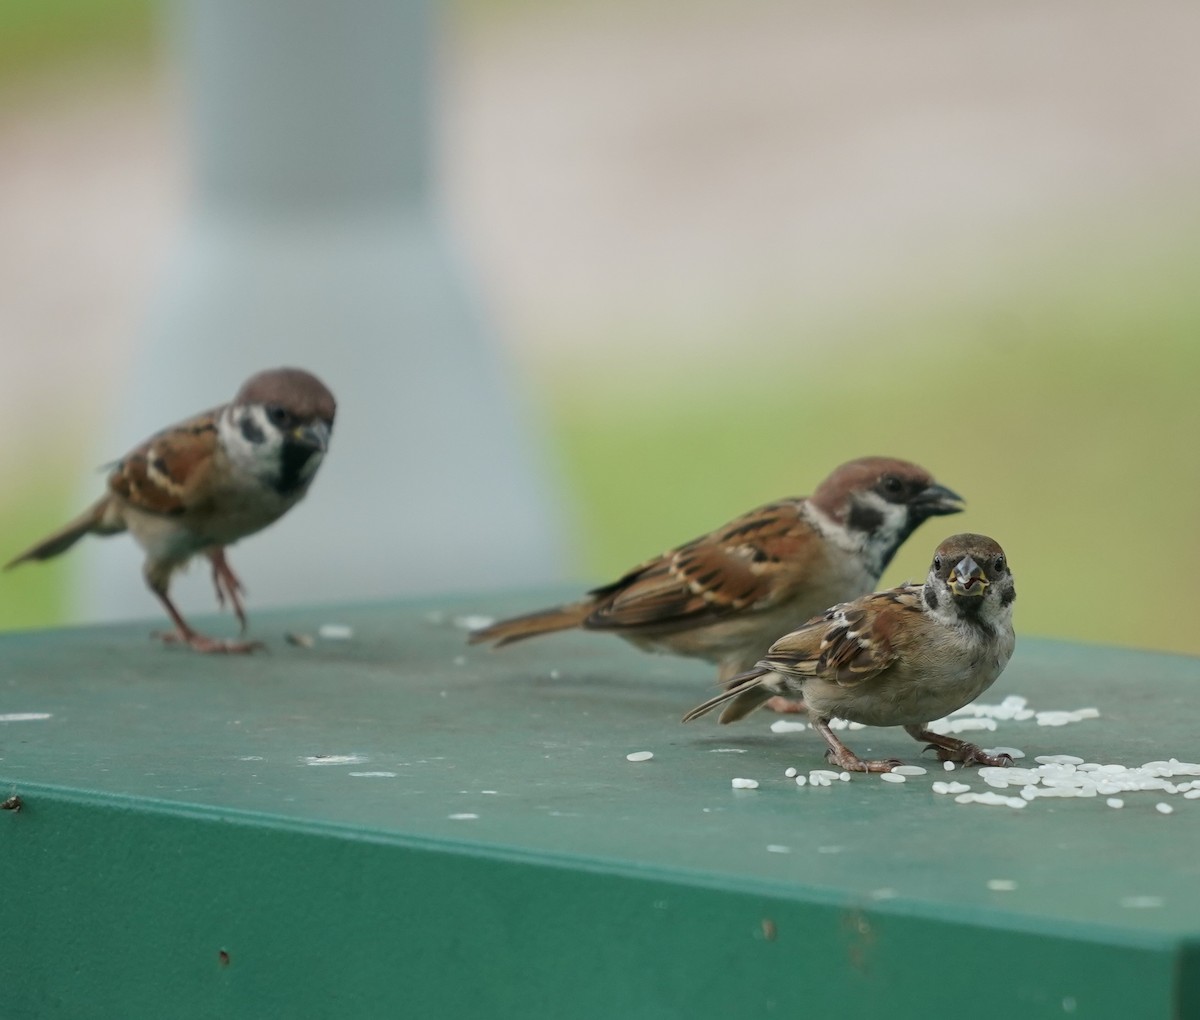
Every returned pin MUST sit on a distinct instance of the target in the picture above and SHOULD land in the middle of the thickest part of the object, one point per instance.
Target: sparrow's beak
(315, 436)
(967, 578)
(937, 501)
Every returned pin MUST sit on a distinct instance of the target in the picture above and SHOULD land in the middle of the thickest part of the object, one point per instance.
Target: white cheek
(256, 453)
(895, 515)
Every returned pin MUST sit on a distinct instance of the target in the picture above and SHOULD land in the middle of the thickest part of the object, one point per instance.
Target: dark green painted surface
(171, 814)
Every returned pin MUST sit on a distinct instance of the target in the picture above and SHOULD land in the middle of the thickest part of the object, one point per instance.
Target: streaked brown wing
(849, 644)
(163, 474)
(749, 563)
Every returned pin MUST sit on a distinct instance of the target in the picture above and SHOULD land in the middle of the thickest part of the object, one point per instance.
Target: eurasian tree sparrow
(207, 482)
(900, 657)
(724, 597)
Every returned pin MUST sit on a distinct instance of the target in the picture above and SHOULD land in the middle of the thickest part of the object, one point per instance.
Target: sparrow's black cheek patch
(292, 459)
(864, 518)
(1008, 596)
(250, 430)
(931, 598)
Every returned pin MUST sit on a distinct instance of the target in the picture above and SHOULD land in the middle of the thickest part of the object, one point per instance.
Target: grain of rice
(892, 777)
(939, 787)
(1163, 808)
(639, 756)
(745, 784)
(1141, 902)
(473, 621)
(790, 773)
(1115, 802)
(908, 770)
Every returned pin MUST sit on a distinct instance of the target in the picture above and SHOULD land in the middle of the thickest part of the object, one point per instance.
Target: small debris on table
(335, 759)
(473, 621)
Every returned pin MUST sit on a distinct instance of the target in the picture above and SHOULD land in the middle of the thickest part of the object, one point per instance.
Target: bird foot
(207, 645)
(848, 761)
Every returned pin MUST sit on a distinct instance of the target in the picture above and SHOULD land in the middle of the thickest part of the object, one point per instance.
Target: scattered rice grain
(473, 621)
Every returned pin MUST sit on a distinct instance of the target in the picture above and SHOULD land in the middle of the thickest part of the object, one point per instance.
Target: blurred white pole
(315, 239)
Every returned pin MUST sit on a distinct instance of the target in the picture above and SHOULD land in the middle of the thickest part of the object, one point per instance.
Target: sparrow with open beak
(725, 596)
(207, 482)
(900, 657)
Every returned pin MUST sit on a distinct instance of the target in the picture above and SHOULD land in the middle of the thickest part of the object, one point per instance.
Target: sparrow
(725, 596)
(900, 657)
(205, 483)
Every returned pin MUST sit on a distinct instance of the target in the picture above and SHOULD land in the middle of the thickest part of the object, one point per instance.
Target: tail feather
(745, 692)
(96, 518)
(518, 628)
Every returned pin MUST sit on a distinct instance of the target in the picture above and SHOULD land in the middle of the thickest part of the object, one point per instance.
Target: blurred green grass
(46, 34)
(37, 597)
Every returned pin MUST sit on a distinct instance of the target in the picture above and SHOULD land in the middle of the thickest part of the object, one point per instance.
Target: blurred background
(725, 247)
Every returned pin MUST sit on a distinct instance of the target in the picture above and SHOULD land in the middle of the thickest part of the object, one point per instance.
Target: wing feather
(163, 474)
(752, 562)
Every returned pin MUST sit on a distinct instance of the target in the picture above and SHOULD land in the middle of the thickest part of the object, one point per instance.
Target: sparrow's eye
(999, 564)
(893, 485)
(278, 416)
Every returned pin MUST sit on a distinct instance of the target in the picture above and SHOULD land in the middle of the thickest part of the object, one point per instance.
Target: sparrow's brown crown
(894, 480)
(298, 392)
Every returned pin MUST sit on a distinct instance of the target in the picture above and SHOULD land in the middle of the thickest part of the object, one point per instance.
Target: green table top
(404, 733)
